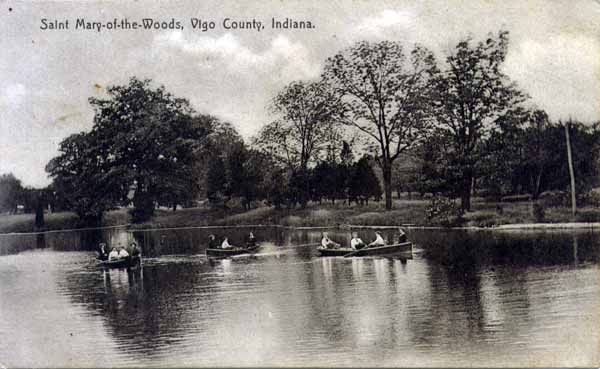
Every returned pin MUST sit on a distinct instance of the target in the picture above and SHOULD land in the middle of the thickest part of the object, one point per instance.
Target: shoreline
(503, 227)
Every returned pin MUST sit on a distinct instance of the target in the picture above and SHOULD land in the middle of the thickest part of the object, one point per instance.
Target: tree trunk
(465, 191)
(536, 189)
(143, 206)
(39, 213)
(571, 171)
(387, 185)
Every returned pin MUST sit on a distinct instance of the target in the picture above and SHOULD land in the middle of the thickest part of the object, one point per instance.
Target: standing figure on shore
(328, 243)
(356, 243)
(379, 241)
(250, 241)
(225, 244)
(212, 242)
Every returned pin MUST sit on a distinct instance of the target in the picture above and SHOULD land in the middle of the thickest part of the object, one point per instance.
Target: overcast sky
(47, 76)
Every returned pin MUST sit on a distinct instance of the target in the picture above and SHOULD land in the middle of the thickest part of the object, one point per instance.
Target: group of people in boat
(213, 243)
(356, 243)
(118, 252)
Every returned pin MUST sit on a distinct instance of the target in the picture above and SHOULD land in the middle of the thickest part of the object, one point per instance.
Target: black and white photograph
(287, 183)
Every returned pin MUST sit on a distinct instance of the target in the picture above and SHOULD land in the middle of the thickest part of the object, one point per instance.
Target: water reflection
(479, 298)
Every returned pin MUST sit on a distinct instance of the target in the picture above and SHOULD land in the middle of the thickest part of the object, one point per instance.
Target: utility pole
(571, 171)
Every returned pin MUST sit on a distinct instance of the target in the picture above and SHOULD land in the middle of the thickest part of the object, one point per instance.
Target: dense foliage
(141, 150)
(452, 129)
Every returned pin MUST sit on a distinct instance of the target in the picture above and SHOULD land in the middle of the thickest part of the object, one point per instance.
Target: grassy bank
(24, 223)
(406, 212)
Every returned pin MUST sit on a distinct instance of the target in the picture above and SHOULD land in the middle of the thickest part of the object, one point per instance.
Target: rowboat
(231, 252)
(126, 262)
(404, 248)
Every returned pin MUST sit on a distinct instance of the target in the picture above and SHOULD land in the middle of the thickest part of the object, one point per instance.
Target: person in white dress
(114, 254)
(327, 243)
(356, 243)
(379, 241)
(123, 253)
(225, 244)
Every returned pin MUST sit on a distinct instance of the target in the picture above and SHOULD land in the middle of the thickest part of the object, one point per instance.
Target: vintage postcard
(286, 183)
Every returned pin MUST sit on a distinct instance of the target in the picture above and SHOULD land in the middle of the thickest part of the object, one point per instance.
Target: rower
(135, 250)
(212, 242)
(251, 241)
(114, 254)
(401, 236)
(378, 240)
(225, 244)
(356, 243)
(327, 243)
(103, 254)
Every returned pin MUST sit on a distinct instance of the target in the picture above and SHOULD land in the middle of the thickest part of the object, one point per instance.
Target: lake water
(465, 298)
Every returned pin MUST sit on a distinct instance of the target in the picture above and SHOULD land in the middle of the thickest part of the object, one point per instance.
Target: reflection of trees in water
(353, 304)
(452, 308)
(84, 240)
(488, 248)
(195, 240)
(143, 307)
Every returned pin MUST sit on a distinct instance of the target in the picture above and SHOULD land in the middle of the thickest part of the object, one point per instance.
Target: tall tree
(85, 180)
(144, 141)
(363, 182)
(471, 94)
(149, 135)
(303, 131)
(246, 170)
(385, 95)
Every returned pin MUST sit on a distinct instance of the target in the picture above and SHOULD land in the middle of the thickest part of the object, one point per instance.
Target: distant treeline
(381, 118)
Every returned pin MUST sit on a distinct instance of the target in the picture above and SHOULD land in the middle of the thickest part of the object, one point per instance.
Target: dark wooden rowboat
(127, 262)
(231, 252)
(404, 248)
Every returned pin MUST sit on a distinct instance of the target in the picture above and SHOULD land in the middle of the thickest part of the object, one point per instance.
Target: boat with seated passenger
(126, 262)
(404, 248)
(233, 251)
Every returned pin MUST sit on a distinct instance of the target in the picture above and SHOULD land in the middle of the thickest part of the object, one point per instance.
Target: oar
(355, 252)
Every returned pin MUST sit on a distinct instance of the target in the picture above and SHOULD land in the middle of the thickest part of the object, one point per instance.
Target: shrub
(555, 198)
(443, 211)
(590, 198)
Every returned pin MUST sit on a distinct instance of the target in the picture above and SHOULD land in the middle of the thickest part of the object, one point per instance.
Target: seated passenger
(123, 253)
(401, 236)
(225, 244)
(114, 254)
(378, 241)
(356, 243)
(251, 240)
(326, 243)
(212, 242)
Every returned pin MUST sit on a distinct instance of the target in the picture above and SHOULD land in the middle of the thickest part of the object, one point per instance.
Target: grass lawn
(22, 223)
(405, 212)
